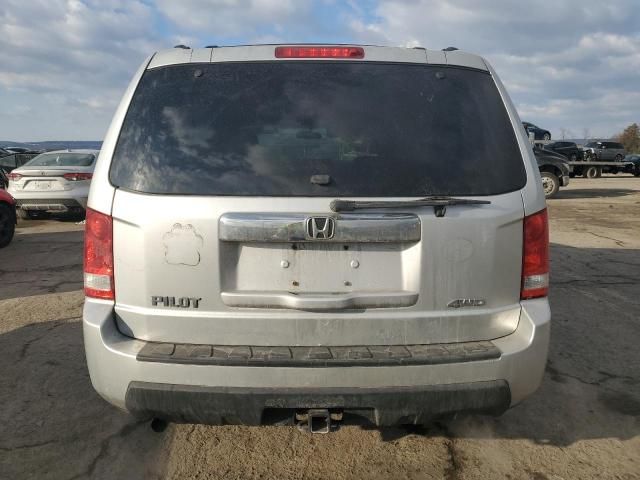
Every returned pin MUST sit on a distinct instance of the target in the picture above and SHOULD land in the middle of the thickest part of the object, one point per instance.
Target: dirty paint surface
(182, 245)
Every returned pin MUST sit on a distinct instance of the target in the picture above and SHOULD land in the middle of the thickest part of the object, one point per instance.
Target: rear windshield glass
(61, 160)
(359, 129)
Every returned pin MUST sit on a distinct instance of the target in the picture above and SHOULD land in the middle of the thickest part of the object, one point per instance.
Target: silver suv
(605, 151)
(314, 233)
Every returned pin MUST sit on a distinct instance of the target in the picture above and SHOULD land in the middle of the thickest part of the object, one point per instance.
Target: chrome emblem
(467, 302)
(320, 228)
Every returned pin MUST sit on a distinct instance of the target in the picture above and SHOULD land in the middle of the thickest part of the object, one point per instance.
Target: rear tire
(550, 184)
(619, 158)
(573, 157)
(7, 225)
(23, 214)
(546, 136)
(590, 172)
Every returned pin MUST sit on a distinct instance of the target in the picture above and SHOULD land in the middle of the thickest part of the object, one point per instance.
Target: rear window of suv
(267, 128)
(62, 160)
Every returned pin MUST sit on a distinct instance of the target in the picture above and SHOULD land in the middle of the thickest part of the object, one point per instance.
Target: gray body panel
(113, 364)
(171, 246)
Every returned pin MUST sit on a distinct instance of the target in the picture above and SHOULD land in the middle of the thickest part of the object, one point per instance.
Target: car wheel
(550, 184)
(591, 172)
(546, 136)
(636, 172)
(23, 214)
(7, 225)
(619, 158)
(573, 157)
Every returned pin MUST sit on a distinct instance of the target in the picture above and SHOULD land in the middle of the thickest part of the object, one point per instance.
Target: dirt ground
(583, 423)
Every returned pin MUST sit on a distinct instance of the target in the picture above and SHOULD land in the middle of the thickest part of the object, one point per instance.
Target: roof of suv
(248, 53)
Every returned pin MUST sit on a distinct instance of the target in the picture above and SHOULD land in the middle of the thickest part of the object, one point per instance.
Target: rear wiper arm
(439, 203)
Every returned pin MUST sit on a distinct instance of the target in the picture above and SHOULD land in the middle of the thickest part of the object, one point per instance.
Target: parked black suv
(11, 161)
(554, 170)
(568, 149)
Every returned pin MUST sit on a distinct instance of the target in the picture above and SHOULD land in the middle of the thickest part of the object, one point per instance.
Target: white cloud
(68, 62)
(230, 18)
(559, 60)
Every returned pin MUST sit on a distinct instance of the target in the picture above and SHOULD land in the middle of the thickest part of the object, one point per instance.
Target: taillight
(319, 52)
(14, 176)
(535, 257)
(74, 177)
(98, 256)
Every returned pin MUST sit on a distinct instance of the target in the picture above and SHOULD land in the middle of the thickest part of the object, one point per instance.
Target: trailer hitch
(318, 420)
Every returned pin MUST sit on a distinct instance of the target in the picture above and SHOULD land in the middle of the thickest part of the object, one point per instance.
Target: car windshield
(62, 160)
(366, 129)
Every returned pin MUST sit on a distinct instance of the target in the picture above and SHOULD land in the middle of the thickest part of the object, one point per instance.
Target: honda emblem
(320, 228)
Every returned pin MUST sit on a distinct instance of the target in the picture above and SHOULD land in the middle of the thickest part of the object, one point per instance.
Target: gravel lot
(584, 422)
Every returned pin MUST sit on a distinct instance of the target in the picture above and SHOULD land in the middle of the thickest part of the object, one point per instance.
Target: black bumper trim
(314, 357)
(44, 204)
(259, 406)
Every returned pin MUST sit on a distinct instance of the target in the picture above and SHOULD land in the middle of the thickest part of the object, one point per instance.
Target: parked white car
(53, 182)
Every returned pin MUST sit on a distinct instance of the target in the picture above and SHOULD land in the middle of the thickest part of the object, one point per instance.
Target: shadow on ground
(593, 193)
(52, 423)
(37, 263)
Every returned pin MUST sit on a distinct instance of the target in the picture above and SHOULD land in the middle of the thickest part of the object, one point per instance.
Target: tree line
(630, 138)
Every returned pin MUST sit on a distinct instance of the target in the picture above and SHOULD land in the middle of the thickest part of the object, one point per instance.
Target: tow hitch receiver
(317, 420)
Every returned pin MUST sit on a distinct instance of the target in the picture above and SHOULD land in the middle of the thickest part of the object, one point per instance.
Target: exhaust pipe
(159, 425)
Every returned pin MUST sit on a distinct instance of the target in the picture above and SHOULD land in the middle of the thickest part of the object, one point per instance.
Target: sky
(570, 66)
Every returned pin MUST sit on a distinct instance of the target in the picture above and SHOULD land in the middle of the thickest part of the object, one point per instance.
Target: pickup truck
(554, 170)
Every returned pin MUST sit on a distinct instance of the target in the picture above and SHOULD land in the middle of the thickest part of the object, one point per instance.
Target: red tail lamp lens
(319, 52)
(98, 256)
(535, 258)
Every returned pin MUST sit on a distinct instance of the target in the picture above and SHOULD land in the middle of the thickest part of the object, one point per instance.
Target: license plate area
(308, 268)
(39, 185)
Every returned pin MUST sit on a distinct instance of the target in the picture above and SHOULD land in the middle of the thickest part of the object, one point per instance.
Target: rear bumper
(51, 201)
(213, 393)
(247, 406)
(52, 204)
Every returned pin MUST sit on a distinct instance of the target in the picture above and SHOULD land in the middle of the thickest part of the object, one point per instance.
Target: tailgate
(220, 270)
